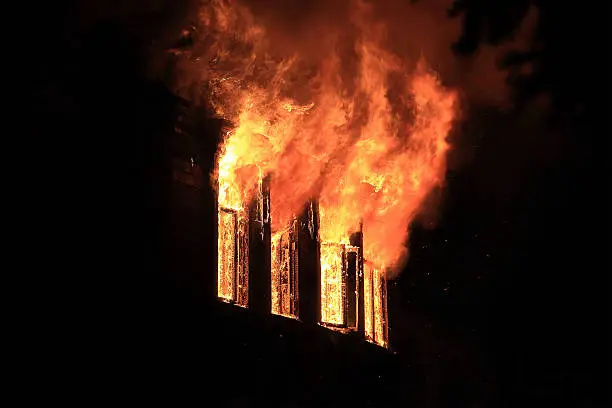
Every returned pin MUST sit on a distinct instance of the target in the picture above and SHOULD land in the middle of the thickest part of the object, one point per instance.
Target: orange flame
(365, 134)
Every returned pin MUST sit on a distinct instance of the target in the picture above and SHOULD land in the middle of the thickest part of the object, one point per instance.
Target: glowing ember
(332, 302)
(233, 256)
(352, 125)
(285, 272)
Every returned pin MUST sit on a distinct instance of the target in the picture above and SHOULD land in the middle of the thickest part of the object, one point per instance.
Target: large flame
(356, 126)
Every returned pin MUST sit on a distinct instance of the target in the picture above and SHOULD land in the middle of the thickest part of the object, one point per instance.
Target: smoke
(413, 29)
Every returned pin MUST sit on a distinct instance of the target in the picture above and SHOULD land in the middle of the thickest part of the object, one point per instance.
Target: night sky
(500, 304)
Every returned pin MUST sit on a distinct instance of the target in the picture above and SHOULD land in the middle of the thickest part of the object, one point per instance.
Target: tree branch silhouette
(560, 64)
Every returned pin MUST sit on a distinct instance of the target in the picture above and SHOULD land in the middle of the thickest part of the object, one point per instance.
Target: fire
(331, 283)
(284, 265)
(365, 135)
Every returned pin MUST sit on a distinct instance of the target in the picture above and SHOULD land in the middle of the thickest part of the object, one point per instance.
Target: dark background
(501, 304)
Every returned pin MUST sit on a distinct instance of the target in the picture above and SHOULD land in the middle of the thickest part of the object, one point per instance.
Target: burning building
(352, 294)
(329, 154)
